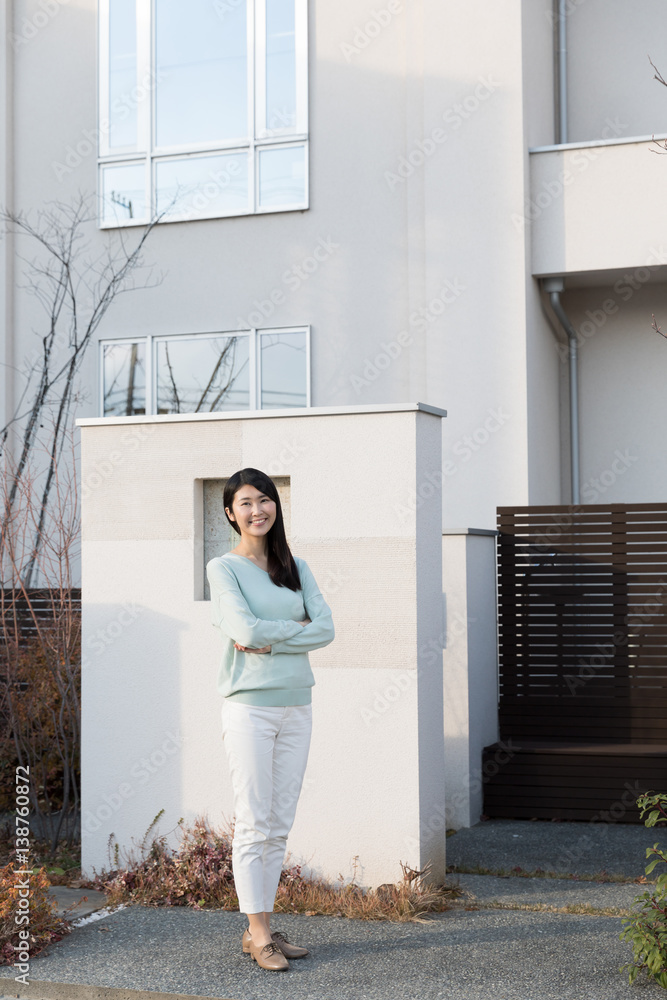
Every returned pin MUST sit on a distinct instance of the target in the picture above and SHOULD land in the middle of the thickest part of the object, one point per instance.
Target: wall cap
(470, 531)
(560, 147)
(300, 411)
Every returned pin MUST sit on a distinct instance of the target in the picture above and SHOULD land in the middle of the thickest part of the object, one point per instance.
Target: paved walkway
(510, 938)
(574, 848)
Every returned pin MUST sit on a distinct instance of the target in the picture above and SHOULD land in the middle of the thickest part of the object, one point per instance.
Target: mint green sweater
(248, 608)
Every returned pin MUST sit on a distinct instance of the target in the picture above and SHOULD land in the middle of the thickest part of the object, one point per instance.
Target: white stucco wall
(609, 74)
(470, 669)
(419, 171)
(416, 210)
(374, 786)
(597, 207)
(542, 368)
(622, 398)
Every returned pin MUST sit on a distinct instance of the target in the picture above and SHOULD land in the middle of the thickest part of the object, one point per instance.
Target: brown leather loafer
(269, 956)
(288, 950)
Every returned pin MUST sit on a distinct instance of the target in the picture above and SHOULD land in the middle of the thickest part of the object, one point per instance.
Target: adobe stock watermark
(122, 106)
(441, 817)
(464, 449)
(288, 452)
(196, 198)
(570, 6)
(625, 288)
(31, 26)
(105, 636)
(364, 34)
(605, 817)
(103, 469)
(292, 278)
(550, 190)
(404, 680)
(454, 117)
(597, 486)
(224, 7)
(419, 321)
(140, 774)
(639, 617)
(332, 582)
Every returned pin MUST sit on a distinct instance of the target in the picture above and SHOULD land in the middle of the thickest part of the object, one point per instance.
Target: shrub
(42, 715)
(646, 929)
(44, 925)
(199, 874)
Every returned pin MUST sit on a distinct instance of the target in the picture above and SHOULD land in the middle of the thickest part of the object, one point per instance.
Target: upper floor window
(203, 108)
(205, 373)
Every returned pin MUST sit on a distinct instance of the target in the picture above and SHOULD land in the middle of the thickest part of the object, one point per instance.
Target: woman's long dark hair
(282, 567)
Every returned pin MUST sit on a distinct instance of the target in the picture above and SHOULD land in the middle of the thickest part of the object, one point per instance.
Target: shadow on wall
(133, 680)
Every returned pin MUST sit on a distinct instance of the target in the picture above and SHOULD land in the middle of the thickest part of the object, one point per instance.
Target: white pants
(267, 750)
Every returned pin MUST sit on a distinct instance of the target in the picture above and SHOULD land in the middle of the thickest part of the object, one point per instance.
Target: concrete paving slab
(567, 848)
(87, 900)
(548, 892)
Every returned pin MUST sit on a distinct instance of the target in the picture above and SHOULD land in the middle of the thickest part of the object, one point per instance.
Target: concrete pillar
(470, 663)
(365, 501)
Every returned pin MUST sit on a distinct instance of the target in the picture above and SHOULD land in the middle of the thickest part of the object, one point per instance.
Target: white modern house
(407, 263)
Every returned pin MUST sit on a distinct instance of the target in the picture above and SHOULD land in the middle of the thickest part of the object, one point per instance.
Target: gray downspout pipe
(562, 72)
(554, 286)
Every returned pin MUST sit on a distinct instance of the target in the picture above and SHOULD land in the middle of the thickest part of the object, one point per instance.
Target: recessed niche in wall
(218, 536)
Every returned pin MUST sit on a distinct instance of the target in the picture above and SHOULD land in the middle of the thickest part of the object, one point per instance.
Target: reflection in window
(280, 65)
(206, 79)
(283, 369)
(202, 374)
(282, 176)
(203, 185)
(122, 109)
(201, 64)
(124, 379)
(123, 193)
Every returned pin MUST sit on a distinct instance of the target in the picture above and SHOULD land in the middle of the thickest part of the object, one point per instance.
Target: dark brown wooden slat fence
(582, 611)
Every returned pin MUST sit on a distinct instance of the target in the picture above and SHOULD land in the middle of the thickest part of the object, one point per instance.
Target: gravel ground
(467, 955)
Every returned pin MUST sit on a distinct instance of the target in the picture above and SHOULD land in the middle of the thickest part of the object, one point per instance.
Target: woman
(270, 612)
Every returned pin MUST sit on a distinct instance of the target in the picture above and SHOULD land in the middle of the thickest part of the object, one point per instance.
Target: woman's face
(253, 511)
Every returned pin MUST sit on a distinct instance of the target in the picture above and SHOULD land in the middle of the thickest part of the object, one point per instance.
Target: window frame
(118, 341)
(149, 154)
(151, 341)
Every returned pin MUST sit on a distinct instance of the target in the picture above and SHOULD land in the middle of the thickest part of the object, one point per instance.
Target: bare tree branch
(60, 278)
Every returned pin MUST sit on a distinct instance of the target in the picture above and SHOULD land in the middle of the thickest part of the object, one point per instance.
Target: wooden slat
(582, 633)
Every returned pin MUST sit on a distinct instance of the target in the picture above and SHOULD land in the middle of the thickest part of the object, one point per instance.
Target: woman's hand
(306, 621)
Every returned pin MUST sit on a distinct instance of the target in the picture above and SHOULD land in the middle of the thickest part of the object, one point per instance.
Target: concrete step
(86, 900)
(547, 893)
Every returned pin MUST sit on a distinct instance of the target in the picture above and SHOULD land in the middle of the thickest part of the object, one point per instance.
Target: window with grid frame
(203, 108)
(205, 372)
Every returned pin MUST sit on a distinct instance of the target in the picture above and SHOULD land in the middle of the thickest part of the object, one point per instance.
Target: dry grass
(199, 874)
